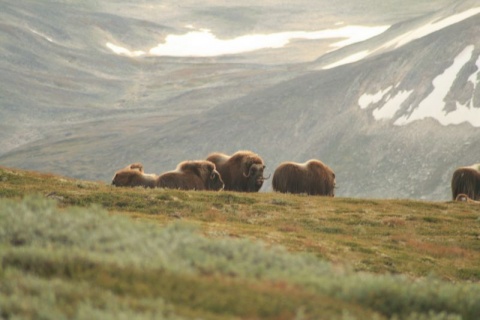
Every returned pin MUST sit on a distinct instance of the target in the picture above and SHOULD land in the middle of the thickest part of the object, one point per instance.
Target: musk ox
(134, 178)
(242, 171)
(312, 177)
(192, 175)
(466, 180)
(462, 197)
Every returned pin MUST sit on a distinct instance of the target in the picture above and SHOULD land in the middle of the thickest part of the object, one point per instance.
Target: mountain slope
(58, 74)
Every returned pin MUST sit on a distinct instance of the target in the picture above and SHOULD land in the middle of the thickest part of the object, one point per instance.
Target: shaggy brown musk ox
(134, 178)
(192, 175)
(242, 171)
(312, 177)
(466, 180)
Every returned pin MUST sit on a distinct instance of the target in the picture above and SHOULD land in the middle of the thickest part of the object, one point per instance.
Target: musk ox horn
(266, 178)
(462, 197)
(249, 172)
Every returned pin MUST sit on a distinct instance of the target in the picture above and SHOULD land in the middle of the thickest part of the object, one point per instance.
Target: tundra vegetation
(86, 250)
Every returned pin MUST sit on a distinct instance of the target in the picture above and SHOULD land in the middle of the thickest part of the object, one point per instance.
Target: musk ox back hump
(217, 158)
(312, 177)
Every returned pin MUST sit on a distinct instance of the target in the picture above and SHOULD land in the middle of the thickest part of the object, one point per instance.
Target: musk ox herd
(243, 171)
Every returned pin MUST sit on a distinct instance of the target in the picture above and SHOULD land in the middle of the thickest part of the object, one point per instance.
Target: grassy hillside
(82, 249)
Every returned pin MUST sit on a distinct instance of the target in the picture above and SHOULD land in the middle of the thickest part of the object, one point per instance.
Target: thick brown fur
(192, 175)
(464, 198)
(312, 177)
(466, 180)
(134, 178)
(242, 171)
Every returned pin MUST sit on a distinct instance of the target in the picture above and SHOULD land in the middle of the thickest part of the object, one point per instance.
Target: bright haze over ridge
(387, 95)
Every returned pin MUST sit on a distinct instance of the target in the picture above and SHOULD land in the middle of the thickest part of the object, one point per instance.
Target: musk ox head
(312, 177)
(121, 178)
(209, 175)
(254, 173)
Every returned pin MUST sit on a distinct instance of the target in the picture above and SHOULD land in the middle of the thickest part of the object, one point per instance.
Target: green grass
(94, 251)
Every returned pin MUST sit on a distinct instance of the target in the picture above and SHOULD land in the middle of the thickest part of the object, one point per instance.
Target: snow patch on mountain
(350, 59)
(368, 99)
(430, 27)
(475, 77)
(38, 33)
(433, 105)
(124, 51)
(203, 43)
(392, 106)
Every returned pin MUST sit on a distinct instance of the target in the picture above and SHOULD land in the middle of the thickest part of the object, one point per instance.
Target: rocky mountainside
(393, 115)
